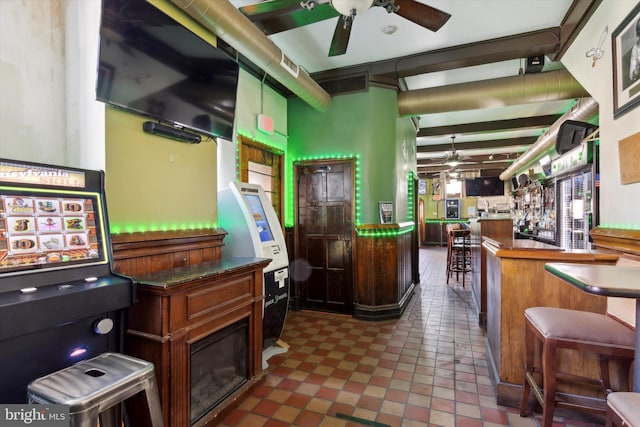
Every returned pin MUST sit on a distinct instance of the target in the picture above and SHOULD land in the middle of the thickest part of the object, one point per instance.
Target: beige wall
(155, 183)
(618, 203)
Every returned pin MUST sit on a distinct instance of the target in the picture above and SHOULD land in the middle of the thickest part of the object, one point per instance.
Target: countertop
(178, 275)
(531, 249)
(492, 217)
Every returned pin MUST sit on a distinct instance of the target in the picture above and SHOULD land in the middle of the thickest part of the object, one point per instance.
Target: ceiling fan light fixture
(351, 7)
(453, 163)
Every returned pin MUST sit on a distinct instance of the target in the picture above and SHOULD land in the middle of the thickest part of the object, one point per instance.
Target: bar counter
(516, 280)
(491, 227)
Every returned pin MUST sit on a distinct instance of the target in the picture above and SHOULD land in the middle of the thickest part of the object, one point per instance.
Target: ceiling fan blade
(287, 16)
(340, 39)
(421, 14)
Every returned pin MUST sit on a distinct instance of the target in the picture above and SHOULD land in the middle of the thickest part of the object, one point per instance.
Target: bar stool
(93, 389)
(559, 328)
(458, 251)
(623, 409)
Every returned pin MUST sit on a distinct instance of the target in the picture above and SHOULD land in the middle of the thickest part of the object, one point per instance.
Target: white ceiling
(471, 21)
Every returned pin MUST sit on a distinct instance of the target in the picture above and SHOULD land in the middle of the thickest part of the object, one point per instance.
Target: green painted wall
(364, 125)
(255, 98)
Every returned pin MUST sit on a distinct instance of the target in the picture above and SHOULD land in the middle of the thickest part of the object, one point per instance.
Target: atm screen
(257, 211)
(44, 229)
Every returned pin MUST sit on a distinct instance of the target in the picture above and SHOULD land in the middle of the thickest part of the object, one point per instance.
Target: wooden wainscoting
(383, 272)
(142, 253)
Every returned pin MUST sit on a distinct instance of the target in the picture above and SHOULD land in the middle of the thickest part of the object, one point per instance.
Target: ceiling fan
(453, 158)
(273, 16)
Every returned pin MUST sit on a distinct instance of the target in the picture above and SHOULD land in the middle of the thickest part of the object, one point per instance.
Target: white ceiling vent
(289, 65)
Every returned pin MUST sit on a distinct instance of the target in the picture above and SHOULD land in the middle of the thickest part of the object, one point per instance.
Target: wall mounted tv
(488, 186)
(151, 65)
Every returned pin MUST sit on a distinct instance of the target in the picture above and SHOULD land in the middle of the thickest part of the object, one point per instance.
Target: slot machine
(60, 300)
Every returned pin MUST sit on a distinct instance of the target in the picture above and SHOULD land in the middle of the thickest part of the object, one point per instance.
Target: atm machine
(246, 213)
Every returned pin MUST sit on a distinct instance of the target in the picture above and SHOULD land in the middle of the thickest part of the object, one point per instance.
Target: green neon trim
(262, 140)
(144, 228)
(384, 233)
(289, 196)
(410, 192)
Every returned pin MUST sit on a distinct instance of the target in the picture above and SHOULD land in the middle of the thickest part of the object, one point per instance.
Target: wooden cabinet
(484, 227)
(176, 309)
(436, 232)
(187, 293)
(433, 234)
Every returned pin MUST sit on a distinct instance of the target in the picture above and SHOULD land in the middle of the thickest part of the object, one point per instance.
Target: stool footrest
(569, 401)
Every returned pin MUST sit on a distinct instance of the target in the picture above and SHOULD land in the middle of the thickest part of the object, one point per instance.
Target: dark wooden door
(325, 231)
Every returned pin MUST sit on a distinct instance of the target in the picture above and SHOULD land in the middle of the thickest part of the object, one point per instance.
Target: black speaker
(571, 134)
(171, 132)
(534, 64)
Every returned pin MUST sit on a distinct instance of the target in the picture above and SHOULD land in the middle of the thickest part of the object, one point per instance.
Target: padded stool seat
(94, 388)
(559, 328)
(623, 409)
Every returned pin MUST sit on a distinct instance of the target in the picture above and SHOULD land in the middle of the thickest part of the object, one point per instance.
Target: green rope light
(289, 196)
(410, 192)
(384, 232)
(144, 228)
(262, 140)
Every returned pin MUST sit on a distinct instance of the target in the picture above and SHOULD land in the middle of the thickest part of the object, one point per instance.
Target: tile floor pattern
(428, 368)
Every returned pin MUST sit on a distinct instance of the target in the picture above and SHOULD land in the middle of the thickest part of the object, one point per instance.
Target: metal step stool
(93, 389)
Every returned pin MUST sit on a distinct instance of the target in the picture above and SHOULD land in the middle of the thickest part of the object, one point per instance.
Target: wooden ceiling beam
(524, 45)
(492, 126)
(572, 23)
(477, 145)
(478, 159)
(465, 167)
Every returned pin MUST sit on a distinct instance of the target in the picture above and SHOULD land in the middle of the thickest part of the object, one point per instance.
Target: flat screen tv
(489, 186)
(151, 65)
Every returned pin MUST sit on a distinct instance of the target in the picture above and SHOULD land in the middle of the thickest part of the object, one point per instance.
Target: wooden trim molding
(135, 254)
(615, 239)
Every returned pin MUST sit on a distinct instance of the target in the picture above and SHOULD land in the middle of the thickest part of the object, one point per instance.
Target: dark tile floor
(428, 368)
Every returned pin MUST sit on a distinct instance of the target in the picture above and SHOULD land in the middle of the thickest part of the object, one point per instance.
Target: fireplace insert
(219, 366)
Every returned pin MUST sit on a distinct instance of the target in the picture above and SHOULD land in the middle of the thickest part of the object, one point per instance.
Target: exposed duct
(233, 27)
(584, 110)
(492, 93)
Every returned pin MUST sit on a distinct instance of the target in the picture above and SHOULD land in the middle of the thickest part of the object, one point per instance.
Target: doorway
(324, 234)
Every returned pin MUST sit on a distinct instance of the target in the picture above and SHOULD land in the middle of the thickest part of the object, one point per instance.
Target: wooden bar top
(531, 249)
